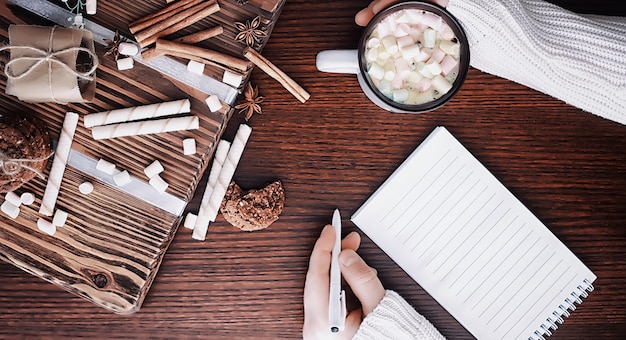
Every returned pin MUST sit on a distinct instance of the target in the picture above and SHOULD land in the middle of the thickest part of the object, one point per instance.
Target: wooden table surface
(566, 165)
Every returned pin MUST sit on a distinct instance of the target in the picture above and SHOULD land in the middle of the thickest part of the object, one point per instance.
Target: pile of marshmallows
(412, 56)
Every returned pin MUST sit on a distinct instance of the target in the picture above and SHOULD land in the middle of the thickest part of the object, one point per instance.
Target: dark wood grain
(567, 166)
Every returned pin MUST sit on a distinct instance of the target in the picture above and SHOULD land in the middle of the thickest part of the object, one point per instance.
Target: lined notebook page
(462, 236)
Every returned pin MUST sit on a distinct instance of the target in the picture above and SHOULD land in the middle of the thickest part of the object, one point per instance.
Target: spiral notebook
(472, 245)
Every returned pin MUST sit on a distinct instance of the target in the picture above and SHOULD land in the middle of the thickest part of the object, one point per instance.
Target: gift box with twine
(51, 64)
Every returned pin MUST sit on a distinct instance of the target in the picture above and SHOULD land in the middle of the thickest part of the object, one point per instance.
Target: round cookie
(254, 209)
(22, 138)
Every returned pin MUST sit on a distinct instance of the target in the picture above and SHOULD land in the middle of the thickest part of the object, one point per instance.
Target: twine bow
(49, 57)
(11, 166)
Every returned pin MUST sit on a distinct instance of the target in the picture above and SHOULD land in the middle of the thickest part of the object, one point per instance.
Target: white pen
(337, 302)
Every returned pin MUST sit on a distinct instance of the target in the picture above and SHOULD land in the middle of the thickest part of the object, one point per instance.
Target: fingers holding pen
(363, 280)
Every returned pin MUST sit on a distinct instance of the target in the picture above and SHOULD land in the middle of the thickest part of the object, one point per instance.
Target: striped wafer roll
(137, 113)
(201, 225)
(145, 127)
(226, 175)
(58, 164)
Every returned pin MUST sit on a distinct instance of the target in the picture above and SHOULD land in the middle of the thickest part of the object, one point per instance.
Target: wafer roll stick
(137, 113)
(176, 23)
(201, 224)
(228, 170)
(161, 15)
(223, 180)
(274, 72)
(190, 51)
(61, 156)
(145, 127)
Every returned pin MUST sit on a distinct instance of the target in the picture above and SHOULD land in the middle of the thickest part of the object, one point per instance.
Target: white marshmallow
(385, 87)
(432, 20)
(390, 71)
(376, 71)
(410, 52)
(448, 64)
(153, 169)
(46, 226)
(13, 198)
(400, 95)
(60, 217)
(189, 146)
(128, 48)
(232, 79)
(371, 55)
(437, 55)
(415, 77)
(433, 67)
(430, 37)
(402, 30)
(105, 166)
(402, 68)
(90, 6)
(27, 198)
(190, 220)
(423, 85)
(405, 41)
(421, 68)
(372, 42)
(11, 210)
(390, 44)
(125, 63)
(451, 48)
(122, 178)
(383, 55)
(158, 184)
(85, 188)
(384, 28)
(397, 82)
(195, 67)
(441, 84)
(213, 102)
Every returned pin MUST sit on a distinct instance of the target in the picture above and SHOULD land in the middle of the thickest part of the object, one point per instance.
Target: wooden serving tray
(111, 247)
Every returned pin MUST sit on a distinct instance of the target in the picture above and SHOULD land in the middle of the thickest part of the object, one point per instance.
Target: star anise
(242, 2)
(249, 32)
(251, 103)
(113, 46)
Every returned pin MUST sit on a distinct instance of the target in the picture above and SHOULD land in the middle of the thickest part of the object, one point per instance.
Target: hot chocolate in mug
(412, 57)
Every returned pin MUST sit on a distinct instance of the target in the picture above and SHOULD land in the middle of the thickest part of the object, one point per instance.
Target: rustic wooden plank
(111, 248)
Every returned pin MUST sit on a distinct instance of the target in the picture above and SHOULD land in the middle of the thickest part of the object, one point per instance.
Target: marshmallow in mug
(412, 56)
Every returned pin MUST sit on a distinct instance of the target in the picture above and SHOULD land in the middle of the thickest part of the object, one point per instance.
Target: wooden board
(113, 243)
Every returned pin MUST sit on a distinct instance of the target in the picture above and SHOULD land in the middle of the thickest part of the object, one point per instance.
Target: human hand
(365, 15)
(362, 279)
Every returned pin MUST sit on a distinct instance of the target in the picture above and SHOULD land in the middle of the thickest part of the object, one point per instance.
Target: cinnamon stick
(193, 38)
(190, 51)
(176, 23)
(274, 72)
(160, 15)
(200, 36)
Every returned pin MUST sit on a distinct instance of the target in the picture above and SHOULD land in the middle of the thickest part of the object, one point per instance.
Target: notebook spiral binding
(551, 324)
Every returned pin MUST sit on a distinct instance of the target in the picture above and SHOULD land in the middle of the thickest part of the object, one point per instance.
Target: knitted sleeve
(580, 59)
(394, 318)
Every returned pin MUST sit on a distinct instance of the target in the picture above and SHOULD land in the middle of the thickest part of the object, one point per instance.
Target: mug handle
(338, 61)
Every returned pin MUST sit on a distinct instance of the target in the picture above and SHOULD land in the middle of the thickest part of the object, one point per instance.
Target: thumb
(363, 280)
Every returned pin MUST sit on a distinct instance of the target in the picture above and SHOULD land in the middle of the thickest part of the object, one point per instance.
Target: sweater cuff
(394, 318)
(578, 59)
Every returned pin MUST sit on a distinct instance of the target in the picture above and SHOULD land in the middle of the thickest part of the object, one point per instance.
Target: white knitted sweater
(394, 318)
(580, 59)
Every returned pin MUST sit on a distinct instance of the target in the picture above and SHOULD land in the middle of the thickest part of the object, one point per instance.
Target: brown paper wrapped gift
(51, 64)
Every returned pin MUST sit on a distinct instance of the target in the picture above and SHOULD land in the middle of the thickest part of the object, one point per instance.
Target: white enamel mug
(354, 61)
